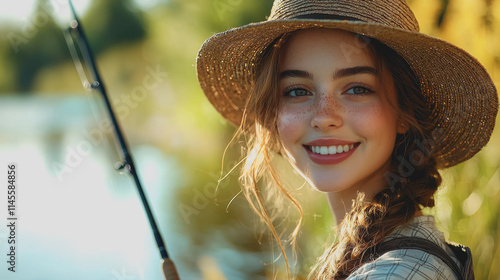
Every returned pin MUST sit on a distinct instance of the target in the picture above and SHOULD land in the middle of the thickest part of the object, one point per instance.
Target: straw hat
(460, 92)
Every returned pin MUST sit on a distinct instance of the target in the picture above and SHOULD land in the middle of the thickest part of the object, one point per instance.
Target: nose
(328, 113)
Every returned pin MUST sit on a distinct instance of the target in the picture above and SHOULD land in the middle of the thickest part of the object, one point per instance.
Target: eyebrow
(341, 73)
(295, 74)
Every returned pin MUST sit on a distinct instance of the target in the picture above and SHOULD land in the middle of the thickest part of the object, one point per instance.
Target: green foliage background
(177, 119)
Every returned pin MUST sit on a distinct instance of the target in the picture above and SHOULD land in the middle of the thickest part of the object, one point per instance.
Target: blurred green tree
(39, 43)
(112, 22)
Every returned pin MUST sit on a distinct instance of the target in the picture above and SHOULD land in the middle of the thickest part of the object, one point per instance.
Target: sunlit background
(78, 218)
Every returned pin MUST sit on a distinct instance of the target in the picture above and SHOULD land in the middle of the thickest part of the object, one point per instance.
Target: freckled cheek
(375, 121)
(291, 124)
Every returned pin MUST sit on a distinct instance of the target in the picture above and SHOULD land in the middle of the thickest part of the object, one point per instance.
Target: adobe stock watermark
(75, 154)
(124, 275)
(221, 7)
(358, 48)
(416, 158)
(201, 198)
(31, 25)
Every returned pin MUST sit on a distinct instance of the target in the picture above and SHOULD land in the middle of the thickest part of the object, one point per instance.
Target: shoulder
(404, 264)
(410, 263)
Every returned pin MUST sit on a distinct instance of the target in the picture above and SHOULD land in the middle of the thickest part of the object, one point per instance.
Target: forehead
(326, 45)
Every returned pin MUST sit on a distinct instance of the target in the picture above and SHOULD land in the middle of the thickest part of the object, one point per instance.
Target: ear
(403, 126)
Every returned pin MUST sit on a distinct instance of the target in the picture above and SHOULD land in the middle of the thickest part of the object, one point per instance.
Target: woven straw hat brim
(458, 89)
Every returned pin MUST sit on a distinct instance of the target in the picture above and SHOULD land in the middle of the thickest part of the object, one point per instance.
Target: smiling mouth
(331, 150)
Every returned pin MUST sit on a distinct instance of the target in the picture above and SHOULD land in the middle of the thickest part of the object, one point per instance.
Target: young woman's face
(335, 120)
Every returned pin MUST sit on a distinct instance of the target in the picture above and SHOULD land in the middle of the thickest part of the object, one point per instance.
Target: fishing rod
(78, 45)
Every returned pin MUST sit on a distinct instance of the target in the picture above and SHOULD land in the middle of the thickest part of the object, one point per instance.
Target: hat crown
(395, 13)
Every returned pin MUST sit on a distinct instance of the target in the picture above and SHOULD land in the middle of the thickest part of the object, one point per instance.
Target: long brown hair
(411, 181)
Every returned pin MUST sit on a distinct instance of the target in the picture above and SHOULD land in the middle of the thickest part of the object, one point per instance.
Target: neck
(341, 203)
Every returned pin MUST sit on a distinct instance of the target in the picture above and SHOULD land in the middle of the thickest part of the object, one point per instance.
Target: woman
(366, 109)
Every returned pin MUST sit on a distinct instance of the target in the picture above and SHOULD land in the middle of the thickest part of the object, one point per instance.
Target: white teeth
(331, 150)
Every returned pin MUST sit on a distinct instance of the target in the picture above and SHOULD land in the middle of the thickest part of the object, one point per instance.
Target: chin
(328, 187)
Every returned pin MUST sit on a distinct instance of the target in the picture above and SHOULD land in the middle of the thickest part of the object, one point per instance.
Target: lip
(329, 142)
(329, 159)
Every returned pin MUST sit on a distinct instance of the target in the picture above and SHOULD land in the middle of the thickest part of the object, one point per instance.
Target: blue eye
(297, 92)
(359, 90)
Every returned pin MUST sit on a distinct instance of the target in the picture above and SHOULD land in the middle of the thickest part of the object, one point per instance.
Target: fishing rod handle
(169, 270)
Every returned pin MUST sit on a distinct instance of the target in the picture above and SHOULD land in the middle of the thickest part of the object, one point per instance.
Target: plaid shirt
(410, 263)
